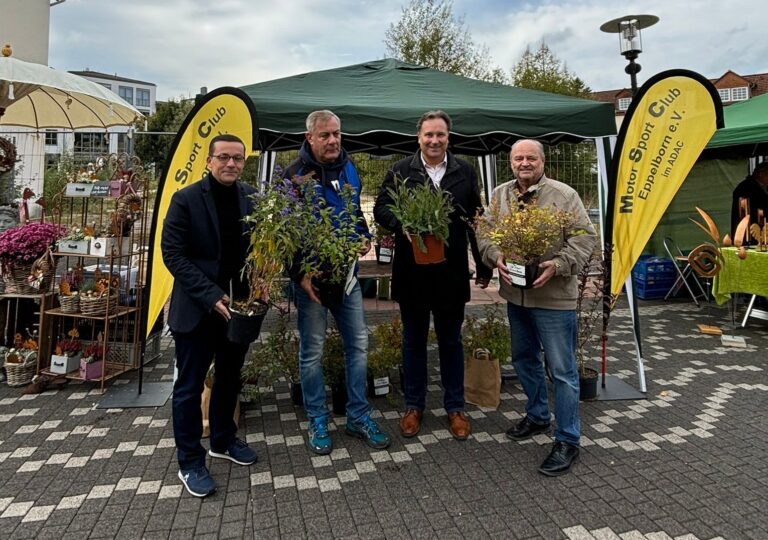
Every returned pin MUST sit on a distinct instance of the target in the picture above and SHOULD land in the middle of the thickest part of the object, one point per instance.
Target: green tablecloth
(741, 276)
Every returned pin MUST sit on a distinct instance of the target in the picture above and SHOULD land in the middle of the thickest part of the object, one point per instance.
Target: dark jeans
(194, 352)
(448, 321)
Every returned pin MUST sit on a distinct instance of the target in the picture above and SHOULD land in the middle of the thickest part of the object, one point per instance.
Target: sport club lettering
(664, 158)
(204, 131)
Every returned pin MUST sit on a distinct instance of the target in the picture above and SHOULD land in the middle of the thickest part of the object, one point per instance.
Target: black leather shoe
(526, 429)
(560, 459)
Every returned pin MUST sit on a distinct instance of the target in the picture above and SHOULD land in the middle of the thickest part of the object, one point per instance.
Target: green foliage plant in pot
(385, 355)
(589, 304)
(489, 335)
(334, 370)
(330, 242)
(424, 212)
(524, 236)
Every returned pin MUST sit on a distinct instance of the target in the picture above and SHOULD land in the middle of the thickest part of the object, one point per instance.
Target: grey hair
(431, 115)
(539, 146)
(320, 116)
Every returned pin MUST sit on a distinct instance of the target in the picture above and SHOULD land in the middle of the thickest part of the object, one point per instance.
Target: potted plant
(384, 244)
(21, 361)
(424, 212)
(76, 241)
(331, 242)
(26, 257)
(92, 361)
(67, 355)
(115, 235)
(334, 370)
(589, 302)
(69, 294)
(385, 355)
(486, 344)
(524, 236)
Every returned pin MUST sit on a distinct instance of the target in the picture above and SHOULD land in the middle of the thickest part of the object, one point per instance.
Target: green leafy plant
(333, 358)
(589, 302)
(386, 352)
(525, 234)
(421, 210)
(490, 333)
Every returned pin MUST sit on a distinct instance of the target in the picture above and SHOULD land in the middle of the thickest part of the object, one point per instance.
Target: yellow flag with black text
(224, 110)
(669, 123)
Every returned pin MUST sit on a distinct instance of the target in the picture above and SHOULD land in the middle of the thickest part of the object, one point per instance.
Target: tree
(153, 147)
(429, 35)
(542, 70)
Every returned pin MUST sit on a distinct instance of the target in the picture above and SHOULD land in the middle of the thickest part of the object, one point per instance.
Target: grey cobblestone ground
(688, 462)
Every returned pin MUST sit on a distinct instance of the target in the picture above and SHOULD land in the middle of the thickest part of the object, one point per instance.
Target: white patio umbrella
(36, 96)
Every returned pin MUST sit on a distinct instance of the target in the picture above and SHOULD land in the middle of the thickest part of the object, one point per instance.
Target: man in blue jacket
(322, 157)
(204, 245)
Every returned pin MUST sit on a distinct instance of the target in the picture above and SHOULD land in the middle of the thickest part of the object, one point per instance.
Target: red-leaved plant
(94, 352)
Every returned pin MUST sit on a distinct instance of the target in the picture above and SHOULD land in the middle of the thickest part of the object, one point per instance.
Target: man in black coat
(204, 245)
(441, 289)
(754, 188)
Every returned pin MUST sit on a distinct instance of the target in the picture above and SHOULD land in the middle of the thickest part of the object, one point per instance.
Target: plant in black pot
(384, 242)
(589, 303)
(524, 236)
(334, 370)
(385, 355)
(331, 243)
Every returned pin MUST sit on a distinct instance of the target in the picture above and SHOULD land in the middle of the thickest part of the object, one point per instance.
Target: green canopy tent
(746, 129)
(379, 103)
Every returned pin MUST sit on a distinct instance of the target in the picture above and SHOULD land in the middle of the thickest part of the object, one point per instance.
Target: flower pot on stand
(90, 371)
(339, 398)
(523, 275)
(435, 250)
(588, 384)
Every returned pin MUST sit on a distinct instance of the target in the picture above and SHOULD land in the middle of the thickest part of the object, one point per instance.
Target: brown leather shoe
(459, 425)
(410, 423)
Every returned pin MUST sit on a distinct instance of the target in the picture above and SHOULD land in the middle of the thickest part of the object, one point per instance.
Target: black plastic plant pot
(245, 329)
(339, 398)
(523, 276)
(331, 294)
(588, 384)
(297, 395)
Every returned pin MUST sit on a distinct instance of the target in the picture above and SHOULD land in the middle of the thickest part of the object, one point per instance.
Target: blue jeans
(312, 323)
(448, 321)
(555, 331)
(194, 352)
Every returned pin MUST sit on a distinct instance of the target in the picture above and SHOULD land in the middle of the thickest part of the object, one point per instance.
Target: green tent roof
(379, 103)
(746, 126)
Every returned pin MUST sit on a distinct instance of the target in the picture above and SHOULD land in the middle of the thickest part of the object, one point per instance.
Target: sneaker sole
(230, 458)
(380, 446)
(193, 493)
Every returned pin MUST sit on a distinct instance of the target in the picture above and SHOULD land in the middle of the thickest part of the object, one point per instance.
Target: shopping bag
(482, 379)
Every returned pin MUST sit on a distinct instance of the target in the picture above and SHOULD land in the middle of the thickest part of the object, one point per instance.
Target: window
(624, 103)
(106, 85)
(142, 97)
(725, 94)
(90, 145)
(739, 94)
(126, 92)
(51, 137)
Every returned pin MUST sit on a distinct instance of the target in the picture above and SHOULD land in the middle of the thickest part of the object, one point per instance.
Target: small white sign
(385, 254)
(517, 274)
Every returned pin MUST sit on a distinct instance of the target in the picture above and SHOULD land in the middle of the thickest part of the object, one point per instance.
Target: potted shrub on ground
(486, 344)
(524, 236)
(334, 370)
(589, 304)
(424, 212)
(385, 355)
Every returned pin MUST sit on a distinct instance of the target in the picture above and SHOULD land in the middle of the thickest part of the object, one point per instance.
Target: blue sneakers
(318, 439)
(368, 430)
(238, 452)
(197, 481)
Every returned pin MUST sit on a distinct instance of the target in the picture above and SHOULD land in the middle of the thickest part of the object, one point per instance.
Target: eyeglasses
(224, 158)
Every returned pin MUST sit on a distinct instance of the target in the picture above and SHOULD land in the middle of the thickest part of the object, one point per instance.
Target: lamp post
(630, 42)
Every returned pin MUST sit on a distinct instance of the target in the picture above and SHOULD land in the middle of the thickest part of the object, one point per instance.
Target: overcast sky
(181, 45)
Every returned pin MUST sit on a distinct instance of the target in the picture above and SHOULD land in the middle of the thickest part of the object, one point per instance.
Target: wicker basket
(16, 279)
(21, 374)
(70, 303)
(97, 306)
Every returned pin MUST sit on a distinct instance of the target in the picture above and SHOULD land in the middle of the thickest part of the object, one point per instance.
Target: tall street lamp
(630, 42)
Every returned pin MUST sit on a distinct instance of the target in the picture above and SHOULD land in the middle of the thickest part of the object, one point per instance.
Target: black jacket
(751, 189)
(192, 251)
(446, 283)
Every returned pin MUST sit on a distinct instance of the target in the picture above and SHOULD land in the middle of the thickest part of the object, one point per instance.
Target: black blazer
(192, 251)
(446, 283)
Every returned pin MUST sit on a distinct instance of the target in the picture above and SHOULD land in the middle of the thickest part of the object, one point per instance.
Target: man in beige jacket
(544, 316)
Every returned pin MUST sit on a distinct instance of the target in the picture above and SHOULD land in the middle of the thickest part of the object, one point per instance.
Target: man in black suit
(440, 290)
(754, 188)
(204, 245)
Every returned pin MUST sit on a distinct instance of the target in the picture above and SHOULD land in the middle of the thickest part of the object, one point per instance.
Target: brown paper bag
(482, 379)
(205, 403)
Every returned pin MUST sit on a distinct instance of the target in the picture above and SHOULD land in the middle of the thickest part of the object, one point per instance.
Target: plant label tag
(381, 381)
(517, 274)
(351, 279)
(385, 254)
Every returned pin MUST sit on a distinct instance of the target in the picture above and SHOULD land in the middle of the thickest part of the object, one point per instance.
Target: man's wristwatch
(558, 266)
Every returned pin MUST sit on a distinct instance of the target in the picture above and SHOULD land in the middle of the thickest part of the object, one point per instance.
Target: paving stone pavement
(686, 463)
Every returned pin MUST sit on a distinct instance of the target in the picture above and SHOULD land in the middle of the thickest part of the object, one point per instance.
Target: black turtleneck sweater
(230, 233)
